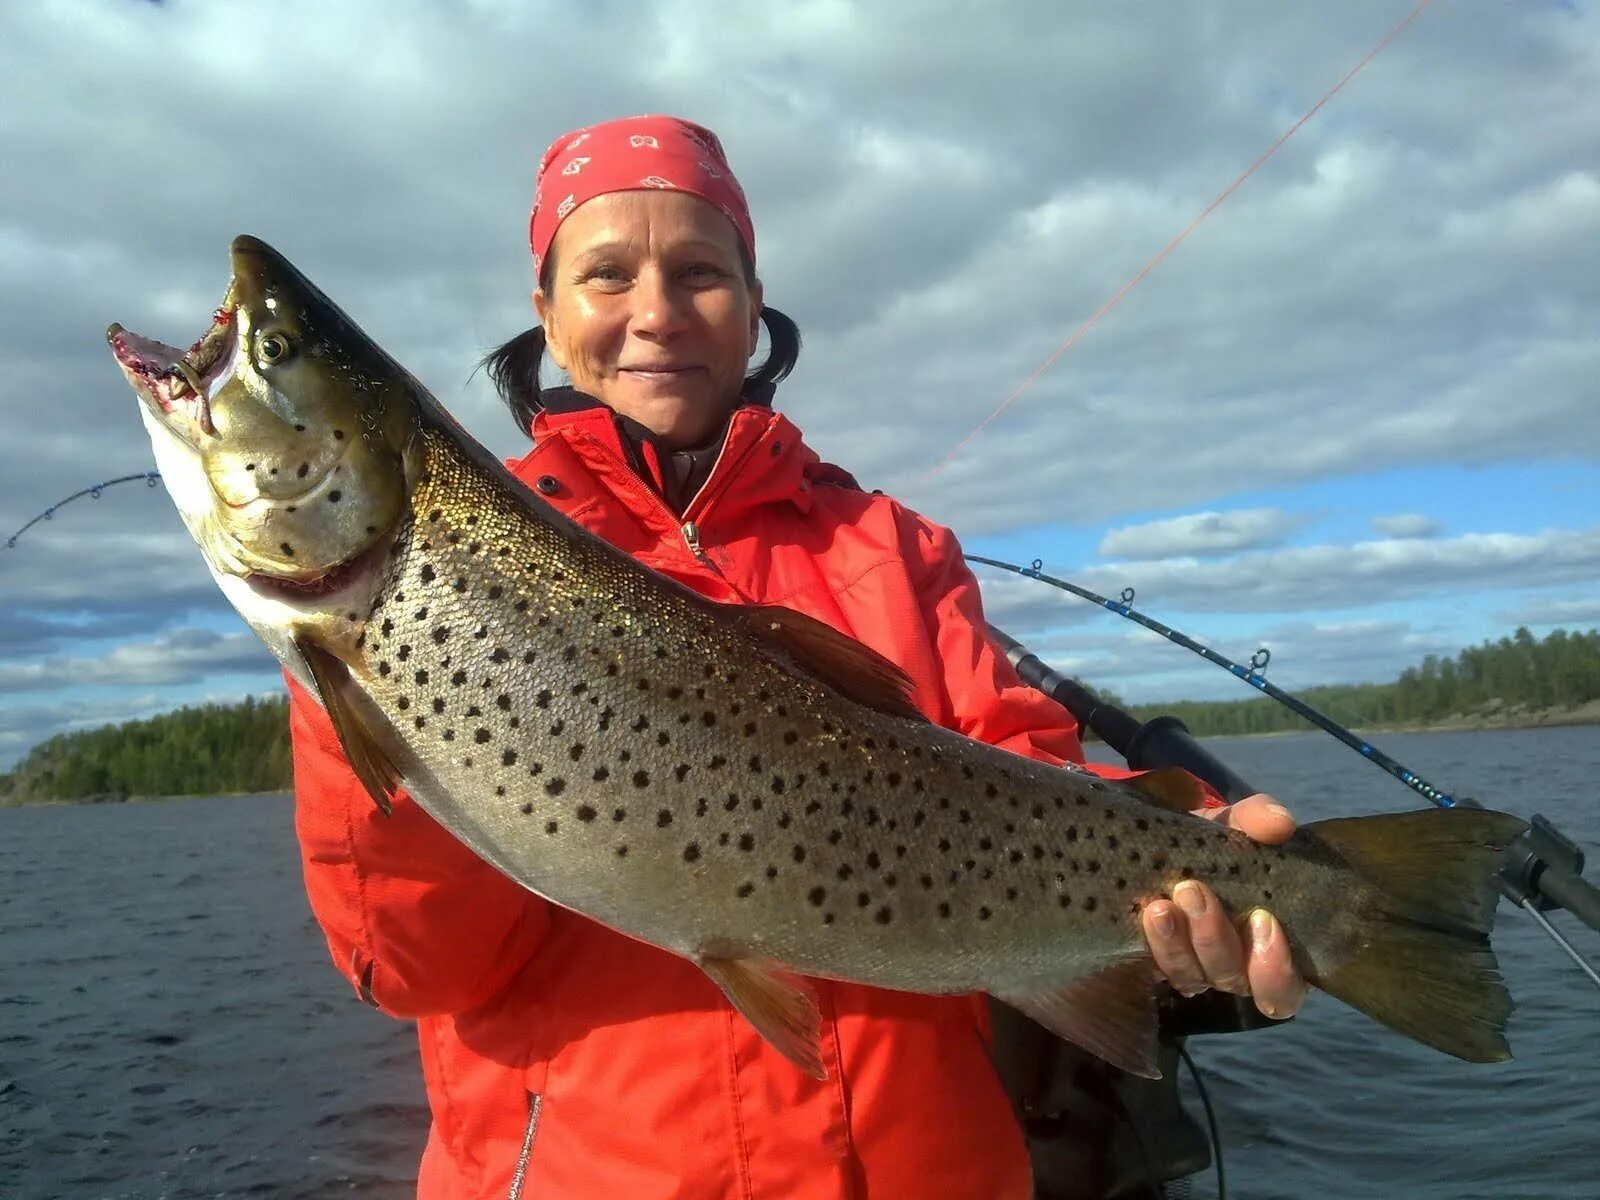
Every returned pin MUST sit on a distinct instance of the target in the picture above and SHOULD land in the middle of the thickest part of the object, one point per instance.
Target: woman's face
(649, 311)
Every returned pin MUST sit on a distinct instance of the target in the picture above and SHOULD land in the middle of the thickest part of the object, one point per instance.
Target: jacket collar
(763, 460)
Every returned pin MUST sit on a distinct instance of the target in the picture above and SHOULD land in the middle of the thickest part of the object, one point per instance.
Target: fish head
(286, 436)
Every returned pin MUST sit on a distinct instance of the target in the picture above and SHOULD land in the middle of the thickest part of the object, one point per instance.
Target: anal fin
(782, 1010)
(346, 705)
(1111, 1013)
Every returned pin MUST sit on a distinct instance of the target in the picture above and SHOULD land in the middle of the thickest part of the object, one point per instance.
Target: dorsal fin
(844, 664)
(1171, 788)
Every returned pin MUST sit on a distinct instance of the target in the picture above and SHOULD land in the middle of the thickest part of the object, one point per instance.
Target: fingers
(1278, 989)
(1258, 817)
(1193, 942)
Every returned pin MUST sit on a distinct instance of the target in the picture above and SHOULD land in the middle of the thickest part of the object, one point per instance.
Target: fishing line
(1105, 308)
(151, 478)
(1211, 1120)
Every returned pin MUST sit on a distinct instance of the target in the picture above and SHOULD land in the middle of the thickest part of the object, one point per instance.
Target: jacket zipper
(535, 1104)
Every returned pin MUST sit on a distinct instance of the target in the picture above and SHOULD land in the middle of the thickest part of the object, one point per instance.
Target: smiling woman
(541, 1027)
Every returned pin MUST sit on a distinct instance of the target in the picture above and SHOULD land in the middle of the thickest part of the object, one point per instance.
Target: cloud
(1364, 574)
(1201, 534)
(1577, 612)
(1406, 525)
(181, 656)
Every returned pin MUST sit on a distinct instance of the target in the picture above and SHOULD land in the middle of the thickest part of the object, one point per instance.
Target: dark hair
(514, 366)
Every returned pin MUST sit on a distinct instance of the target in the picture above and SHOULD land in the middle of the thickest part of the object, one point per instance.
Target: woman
(563, 1059)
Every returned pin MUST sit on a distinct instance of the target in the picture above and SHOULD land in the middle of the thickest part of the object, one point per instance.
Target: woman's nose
(658, 307)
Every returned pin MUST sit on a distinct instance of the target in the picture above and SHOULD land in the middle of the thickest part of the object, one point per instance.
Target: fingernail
(1166, 923)
(1261, 927)
(1278, 810)
(1191, 898)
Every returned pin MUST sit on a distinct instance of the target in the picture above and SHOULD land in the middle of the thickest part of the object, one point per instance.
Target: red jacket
(564, 1060)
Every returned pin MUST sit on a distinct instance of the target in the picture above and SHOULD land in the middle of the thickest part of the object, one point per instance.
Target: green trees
(1562, 671)
(195, 751)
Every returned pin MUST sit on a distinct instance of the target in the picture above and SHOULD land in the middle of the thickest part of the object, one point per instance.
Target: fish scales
(740, 785)
(615, 730)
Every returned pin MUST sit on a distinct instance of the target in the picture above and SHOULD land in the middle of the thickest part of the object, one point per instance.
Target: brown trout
(743, 786)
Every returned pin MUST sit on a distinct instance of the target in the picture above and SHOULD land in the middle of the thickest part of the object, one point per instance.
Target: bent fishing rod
(1539, 871)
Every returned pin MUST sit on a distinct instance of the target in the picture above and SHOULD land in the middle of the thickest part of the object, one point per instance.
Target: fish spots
(663, 818)
(744, 890)
(555, 785)
(441, 634)
(691, 852)
(944, 910)
(550, 827)
(288, 550)
(481, 736)
(585, 812)
(641, 779)
(508, 758)
(747, 842)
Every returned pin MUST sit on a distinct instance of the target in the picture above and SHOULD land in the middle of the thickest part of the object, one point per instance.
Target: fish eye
(272, 348)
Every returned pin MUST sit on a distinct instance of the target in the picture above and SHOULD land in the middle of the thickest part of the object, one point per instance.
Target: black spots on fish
(747, 842)
(835, 836)
(1064, 900)
(863, 899)
(527, 811)
(944, 803)
(964, 816)
(680, 772)
(624, 755)
(798, 853)
(691, 852)
(724, 838)
(663, 738)
(1037, 812)
(777, 785)
(1015, 856)
(663, 818)
(481, 736)
(549, 826)
(990, 791)
(1072, 834)
(607, 715)
(873, 861)
(1142, 824)
(555, 785)
(335, 496)
(641, 779)
(441, 634)
(750, 729)
(387, 627)
(503, 702)
(433, 517)
(731, 803)
(619, 815)
(449, 735)
(744, 890)
(458, 678)
(845, 871)
(817, 896)
(944, 845)
(569, 654)
(622, 852)
(302, 471)
(402, 702)
(384, 668)
(500, 655)
(813, 807)
(542, 700)
(419, 722)
(1233, 869)
(1186, 873)
(508, 758)
(496, 591)
(640, 723)
(288, 550)
(755, 762)
(1090, 904)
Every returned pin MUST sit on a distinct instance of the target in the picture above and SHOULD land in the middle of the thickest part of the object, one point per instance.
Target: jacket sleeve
(417, 923)
(986, 699)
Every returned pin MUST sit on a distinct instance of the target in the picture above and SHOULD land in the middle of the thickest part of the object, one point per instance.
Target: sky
(1353, 417)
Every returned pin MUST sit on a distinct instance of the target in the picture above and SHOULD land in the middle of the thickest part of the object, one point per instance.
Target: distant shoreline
(1495, 719)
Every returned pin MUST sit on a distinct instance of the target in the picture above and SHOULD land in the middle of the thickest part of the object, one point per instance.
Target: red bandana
(629, 155)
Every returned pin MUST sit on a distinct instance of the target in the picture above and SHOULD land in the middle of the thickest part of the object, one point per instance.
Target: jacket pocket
(525, 1155)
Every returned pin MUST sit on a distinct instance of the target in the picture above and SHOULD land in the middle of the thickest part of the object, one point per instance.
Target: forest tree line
(215, 748)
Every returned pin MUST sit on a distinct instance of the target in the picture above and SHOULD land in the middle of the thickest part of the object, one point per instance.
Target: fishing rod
(1539, 871)
(151, 478)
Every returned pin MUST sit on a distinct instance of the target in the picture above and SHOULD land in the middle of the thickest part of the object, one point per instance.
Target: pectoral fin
(346, 705)
(840, 661)
(1111, 1014)
(782, 1009)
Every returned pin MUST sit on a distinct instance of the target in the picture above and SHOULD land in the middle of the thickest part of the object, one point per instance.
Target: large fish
(743, 786)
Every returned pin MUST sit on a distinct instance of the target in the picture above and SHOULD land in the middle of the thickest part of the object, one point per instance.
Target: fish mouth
(177, 383)
(319, 587)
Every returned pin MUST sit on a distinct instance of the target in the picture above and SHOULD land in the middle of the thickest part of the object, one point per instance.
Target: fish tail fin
(1423, 965)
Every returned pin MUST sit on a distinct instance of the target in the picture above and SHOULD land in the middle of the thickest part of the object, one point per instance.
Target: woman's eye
(702, 272)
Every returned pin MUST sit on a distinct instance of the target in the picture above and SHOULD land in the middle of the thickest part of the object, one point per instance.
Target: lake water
(170, 1026)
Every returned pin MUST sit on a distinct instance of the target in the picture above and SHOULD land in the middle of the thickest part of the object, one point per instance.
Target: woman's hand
(1197, 947)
